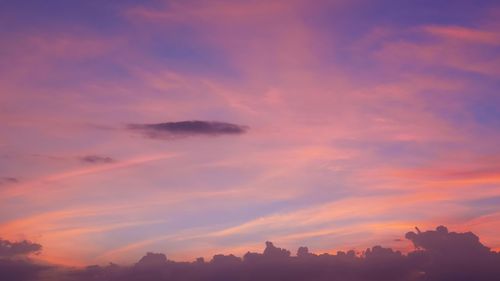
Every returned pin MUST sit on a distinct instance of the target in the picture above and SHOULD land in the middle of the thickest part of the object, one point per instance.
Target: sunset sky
(334, 124)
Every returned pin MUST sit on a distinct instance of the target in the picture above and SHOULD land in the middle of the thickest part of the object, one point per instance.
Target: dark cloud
(21, 248)
(21, 270)
(454, 256)
(8, 180)
(187, 128)
(439, 255)
(87, 159)
(14, 262)
(152, 260)
(96, 159)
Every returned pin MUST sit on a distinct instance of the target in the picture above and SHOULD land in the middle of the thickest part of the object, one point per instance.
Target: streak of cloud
(187, 128)
(96, 159)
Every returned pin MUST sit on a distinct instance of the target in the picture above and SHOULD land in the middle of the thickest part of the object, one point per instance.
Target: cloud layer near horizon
(439, 256)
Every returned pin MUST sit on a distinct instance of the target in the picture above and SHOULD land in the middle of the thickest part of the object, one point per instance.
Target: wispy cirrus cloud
(464, 34)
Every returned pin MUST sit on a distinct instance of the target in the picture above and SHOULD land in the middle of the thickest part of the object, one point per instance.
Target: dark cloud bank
(439, 255)
(13, 262)
(170, 130)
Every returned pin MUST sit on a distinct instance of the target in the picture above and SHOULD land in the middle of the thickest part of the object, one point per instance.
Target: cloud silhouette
(454, 256)
(14, 262)
(96, 159)
(152, 259)
(22, 248)
(21, 270)
(438, 255)
(170, 130)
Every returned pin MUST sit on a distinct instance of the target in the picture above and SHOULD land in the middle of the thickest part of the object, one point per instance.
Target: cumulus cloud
(14, 262)
(21, 248)
(152, 259)
(453, 256)
(21, 270)
(187, 128)
(438, 255)
(96, 159)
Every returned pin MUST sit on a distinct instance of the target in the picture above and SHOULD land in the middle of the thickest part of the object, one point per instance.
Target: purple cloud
(22, 248)
(96, 159)
(440, 255)
(188, 128)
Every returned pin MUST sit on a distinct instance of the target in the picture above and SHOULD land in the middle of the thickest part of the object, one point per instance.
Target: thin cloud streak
(20, 189)
(170, 130)
(96, 159)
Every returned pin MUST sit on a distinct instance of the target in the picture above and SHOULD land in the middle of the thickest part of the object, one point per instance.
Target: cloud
(96, 159)
(20, 270)
(152, 259)
(15, 264)
(8, 180)
(443, 241)
(21, 248)
(464, 34)
(187, 128)
(439, 255)
(452, 47)
(453, 256)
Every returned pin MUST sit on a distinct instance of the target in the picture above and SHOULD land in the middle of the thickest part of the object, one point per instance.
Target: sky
(201, 127)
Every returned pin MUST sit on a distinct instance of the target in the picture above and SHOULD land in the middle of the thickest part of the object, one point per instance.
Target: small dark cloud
(21, 248)
(87, 159)
(187, 128)
(8, 180)
(96, 159)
